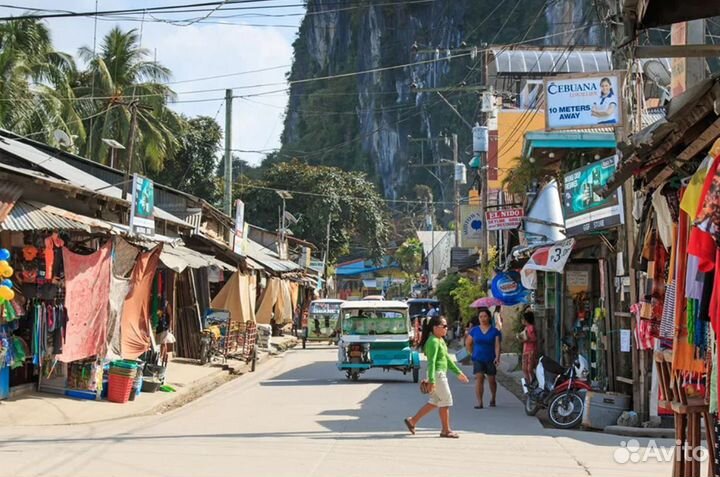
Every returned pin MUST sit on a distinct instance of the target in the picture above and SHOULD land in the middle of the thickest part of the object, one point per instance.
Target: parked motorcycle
(559, 389)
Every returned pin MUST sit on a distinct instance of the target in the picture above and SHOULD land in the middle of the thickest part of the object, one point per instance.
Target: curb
(226, 373)
(194, 390)
(652, 432)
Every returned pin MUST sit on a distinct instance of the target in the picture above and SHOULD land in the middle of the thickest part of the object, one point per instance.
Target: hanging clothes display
(135, 321)
(87, 287)
(684, 357)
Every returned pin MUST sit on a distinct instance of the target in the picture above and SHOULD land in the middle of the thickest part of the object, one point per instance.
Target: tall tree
(120, 74)
(35, 83)
(357, 213)
(192, 168)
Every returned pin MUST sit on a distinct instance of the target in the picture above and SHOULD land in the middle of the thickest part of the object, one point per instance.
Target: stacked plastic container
(123, 375)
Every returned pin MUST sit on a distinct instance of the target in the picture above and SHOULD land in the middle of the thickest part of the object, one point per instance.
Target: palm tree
(117, 77)
(35, 93)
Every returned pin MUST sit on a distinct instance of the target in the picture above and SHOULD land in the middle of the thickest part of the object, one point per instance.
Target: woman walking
(483, 342)
(438, 362)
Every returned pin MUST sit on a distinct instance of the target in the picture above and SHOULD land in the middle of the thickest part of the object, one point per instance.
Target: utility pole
(227, 199)
(456, 190)
(480, 148)
(131, 148)
(327, 255)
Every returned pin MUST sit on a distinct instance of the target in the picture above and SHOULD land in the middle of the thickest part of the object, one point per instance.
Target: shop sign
(505, 219)
(142, 218)
(239, 227)
(584, 209)
(583, 101)
(507, 287)
(551, 258)
(471, 220)
(317, 265)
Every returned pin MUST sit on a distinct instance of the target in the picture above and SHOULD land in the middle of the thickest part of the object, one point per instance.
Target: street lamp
(113, 145)
(284, 195)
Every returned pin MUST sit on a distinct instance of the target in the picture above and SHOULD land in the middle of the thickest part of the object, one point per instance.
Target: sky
(223, 44)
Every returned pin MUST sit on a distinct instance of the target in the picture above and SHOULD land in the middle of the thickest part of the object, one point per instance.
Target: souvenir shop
(66, 297)
(572, 260)
(676, 164)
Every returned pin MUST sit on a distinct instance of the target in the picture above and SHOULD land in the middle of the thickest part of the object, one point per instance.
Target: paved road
(297, 416)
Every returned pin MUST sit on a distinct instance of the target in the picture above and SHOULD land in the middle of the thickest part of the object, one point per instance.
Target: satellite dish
(62, 138)
(291, 218)
(657, 73)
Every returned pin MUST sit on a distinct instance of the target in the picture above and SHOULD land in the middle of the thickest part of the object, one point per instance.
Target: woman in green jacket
(438, 363)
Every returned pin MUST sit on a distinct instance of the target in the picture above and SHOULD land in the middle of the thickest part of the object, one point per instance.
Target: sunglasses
(442, 326)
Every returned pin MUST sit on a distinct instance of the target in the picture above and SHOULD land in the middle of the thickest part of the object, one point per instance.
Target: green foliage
(117, 75)
(355, 209)
(466, 292)
(409, 256)
(443, 291)
(35, 83)
(192, 169)
(521, 176)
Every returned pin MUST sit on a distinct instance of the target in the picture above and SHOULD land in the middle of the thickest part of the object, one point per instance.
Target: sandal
(450, 435)
(410, 427)
(479, 406)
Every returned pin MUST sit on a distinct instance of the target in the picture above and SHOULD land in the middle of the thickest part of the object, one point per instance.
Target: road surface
(298, 416)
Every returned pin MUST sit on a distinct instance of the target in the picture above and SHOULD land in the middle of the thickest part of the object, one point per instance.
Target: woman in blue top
(483, 343)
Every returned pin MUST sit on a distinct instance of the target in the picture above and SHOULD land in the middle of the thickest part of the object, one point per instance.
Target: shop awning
(550, 60)
(26, 216)
(661, 149)
(269, 259)
(180, 257)
(175, 255)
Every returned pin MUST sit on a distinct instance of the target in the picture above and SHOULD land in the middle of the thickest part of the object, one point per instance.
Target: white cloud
(201, 50)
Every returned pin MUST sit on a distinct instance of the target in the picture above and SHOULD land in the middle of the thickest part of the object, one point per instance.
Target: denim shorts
(484, 367)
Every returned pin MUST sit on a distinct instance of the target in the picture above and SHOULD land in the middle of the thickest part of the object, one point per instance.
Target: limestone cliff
(364, 122)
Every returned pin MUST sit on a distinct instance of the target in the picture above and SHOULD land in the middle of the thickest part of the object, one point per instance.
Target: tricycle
(376, 334)
(321, 324)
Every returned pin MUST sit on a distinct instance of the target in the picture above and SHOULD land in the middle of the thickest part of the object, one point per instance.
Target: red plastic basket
(119, 388)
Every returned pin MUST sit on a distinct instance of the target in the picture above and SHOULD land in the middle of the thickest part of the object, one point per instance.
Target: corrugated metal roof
(25, 216)
(72, 174)
(557, 61)
(269, 259)
(551, 60)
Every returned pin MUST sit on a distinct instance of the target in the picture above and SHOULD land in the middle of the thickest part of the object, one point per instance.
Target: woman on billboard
(606, 109)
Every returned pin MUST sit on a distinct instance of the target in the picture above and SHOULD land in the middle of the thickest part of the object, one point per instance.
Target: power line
(344, 197)
(228, 75)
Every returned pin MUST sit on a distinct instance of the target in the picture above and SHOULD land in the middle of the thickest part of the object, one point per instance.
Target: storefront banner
(505, 219)
(239, 227)
(585, 211)
(472, 223)
(142, 219)
(507, 288)
(583, 101)
(551, 258)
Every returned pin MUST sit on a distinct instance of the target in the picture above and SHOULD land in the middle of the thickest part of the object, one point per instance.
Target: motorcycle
(559, 389)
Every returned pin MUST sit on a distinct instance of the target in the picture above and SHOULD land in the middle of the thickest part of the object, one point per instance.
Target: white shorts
(441, 396)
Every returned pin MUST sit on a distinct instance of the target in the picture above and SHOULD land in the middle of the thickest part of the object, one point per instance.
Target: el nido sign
(583, 101)
(506, 219)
